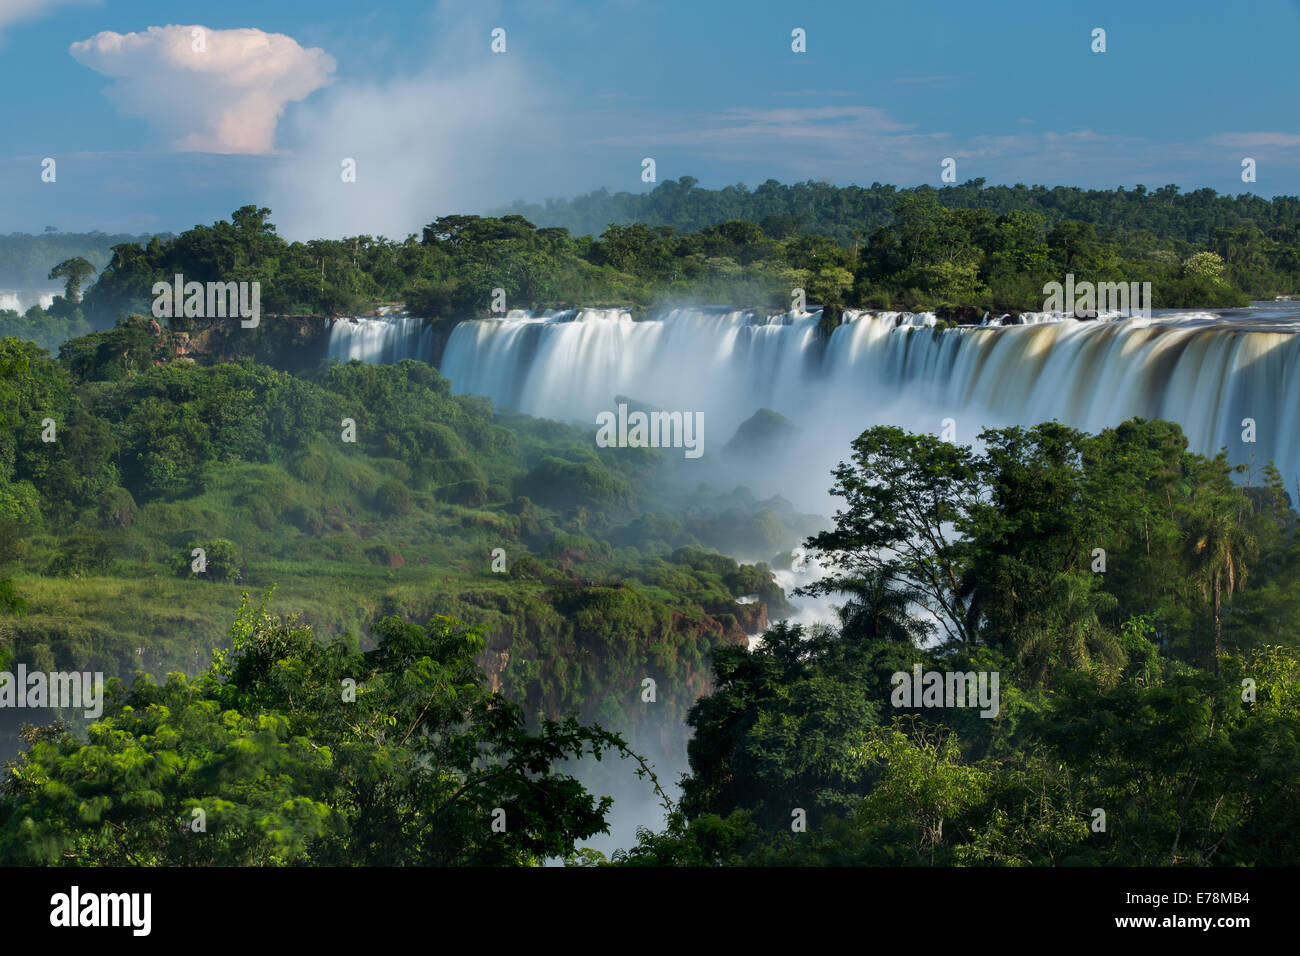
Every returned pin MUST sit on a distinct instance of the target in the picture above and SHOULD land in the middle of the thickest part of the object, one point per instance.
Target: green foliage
(564, 484)
(764, 433)
(222, 558)
(923, 781)
(962, 246)
(25, 260)
(840, 212)
(393, 498)
(1104, 705)
(777, 733)
(74, 272)
(471, 492)
(1205, 265)
(11, 602)
(294, 751)
(97, 529)
(1001, 547)
(1185, 771)
(42, 328)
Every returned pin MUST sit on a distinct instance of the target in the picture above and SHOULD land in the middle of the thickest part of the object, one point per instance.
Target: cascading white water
(380, 340)
(1205, 373)
(22, 300)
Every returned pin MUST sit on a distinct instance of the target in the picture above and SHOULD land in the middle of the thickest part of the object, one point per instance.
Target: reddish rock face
(494, 665)
(752, 617)
(211, 341)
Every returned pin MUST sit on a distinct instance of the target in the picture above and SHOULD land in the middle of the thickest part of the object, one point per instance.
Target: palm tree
(1221, 546)
(1066, 630)
(881, 608)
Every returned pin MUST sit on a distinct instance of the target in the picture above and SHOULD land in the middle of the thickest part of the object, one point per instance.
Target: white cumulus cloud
(212, 91)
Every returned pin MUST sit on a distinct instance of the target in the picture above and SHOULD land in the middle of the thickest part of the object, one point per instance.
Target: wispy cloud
(818, 122)
(816, 93)
(864, 144)
(753, 126)
(923, 80)
(12, 11)
(1256, 140)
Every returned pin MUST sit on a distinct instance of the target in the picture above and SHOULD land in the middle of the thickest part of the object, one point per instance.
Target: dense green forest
(961, 250)
(927, 255)
(254, 465)
(1148, 712)
(353, 618)
(846, 213)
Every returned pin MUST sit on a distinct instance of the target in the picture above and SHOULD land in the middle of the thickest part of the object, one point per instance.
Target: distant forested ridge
(846, 213)
(26, 260)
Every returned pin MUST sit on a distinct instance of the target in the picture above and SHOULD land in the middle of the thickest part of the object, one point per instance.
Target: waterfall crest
(1198, 369)
(382, 340)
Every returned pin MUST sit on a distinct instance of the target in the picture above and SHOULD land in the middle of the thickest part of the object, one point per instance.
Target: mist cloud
(423, 146)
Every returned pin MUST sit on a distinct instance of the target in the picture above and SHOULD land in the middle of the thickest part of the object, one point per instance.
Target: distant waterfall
(1203, 371)
(22, 300)
(382, 340)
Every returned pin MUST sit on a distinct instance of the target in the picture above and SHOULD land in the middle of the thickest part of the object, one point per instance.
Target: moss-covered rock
(765, 433)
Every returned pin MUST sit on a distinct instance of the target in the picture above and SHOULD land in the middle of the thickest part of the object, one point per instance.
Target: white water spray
(895, 368)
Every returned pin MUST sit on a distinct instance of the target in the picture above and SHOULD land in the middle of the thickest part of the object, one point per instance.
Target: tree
(287, 750)
(880, 609)
(829, 284)
(74, 272)
(11, 602)
(923, 783)
(1006, 548)
(783, 726)
(1187, 773)
(1072, 243)
(1028, 582)
(1220, 548)
(1205, 265)
(903, 493)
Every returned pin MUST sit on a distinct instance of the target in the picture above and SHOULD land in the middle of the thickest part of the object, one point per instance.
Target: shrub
(393, 498)
(472, 493)
(117, 507)
(307, 520)
(311, 468)
(224, 561)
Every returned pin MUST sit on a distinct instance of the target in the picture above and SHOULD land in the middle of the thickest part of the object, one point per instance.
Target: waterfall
(381, 340)
(1206, 372)
(23, 299)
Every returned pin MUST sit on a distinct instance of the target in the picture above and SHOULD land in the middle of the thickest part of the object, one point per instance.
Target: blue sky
(149, 134)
